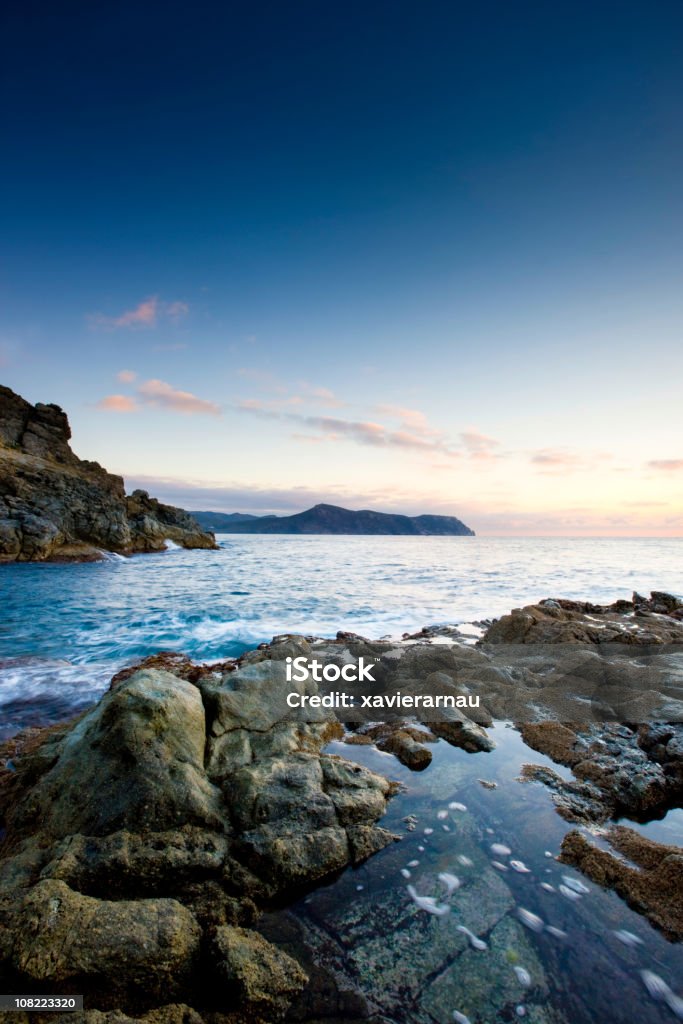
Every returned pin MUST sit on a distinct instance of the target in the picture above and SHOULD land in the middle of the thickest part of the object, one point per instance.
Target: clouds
(260, 498)
(368, 433)
(147, 314)
(117, 403)
(667, 465)
(157, 394)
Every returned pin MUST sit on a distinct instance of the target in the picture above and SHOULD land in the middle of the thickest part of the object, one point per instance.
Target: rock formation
(55, 506)
(141, 841)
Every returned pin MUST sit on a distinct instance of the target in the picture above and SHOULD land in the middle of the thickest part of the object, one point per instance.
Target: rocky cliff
(55, 506)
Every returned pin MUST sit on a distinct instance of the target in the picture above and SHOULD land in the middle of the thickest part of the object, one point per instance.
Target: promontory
(57, 507)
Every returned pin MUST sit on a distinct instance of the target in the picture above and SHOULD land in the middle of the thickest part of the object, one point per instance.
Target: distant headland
(331, 519)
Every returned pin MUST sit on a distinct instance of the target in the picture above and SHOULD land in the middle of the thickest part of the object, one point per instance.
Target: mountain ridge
(333, 519)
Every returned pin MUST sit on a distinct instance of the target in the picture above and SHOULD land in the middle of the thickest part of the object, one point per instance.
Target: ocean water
(65, 629)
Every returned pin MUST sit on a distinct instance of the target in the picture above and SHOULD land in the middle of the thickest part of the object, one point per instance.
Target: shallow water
(417, 967)
(216, 604)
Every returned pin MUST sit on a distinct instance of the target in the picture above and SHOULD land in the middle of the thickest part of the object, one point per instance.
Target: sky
(418, 257)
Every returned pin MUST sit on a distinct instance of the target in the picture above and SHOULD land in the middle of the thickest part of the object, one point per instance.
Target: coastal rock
(651, 881)
(641, 622)
(260, 978)
(55, 506)
(60, 935)
(140, 845)
(620, 770)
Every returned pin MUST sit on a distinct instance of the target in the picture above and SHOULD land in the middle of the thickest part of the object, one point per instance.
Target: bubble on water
(568, 893)
(628, 938)
(529, 920)
(421, 849)
(520, 1010)
(428, 831)
(359, 888)
(523, 976)
(498, 866)
(500, 849)
(547, 887)
(490, 831)
(405, 872)
(460, 1018)
(452, 882)
(413, 863)
(441, 815)
(446, 828)
(466, 862)
(557, 933)
(575, 884)
(675, 1004)
(519, 866)
(656, 986)
(455, 806)
(548, 854)
(474, 940)
(428, 903)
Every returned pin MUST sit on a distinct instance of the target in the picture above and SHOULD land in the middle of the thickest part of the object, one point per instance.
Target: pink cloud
(117, 403)
(162, 395)
(126, 376)
(479, 445)
(669, 465)
(145, 315)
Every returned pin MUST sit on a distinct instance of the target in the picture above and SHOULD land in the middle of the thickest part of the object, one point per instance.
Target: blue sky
(422, 257)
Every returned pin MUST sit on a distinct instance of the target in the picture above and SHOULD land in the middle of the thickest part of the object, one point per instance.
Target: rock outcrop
(55, 506)
(650, 879)
(641, 621)
(141, 841)
(618, 769)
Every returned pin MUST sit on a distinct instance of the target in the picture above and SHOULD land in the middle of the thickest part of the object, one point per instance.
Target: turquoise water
(65, 629)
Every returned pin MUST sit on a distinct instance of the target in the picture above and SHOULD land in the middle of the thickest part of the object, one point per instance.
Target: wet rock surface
(55, 506)
(650, 879)
(618, 769)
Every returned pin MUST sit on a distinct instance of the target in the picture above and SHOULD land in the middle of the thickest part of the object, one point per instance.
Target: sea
(543, 943)
(65, 629)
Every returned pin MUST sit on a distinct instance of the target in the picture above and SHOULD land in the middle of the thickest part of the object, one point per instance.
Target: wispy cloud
(668, 465)
(364, 432)
(126, 376)
(117, 403)
(551, 458)
(554, 461)
(480, 446)
(413, 432)
(161, 395)
(146, 314)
